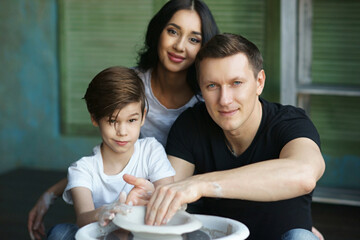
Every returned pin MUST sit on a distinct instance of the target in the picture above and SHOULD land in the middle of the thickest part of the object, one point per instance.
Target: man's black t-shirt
(196, 138)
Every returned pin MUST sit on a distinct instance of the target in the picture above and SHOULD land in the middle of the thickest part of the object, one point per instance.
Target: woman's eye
(195, 40)
(112, 121)
(172, 31)
(133, 120)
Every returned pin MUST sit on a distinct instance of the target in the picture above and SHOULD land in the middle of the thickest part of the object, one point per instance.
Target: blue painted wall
(29, 90)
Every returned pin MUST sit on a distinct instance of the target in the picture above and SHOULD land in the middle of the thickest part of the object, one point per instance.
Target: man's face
(231, 91)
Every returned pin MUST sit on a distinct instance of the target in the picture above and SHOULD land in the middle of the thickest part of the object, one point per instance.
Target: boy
(116, 101)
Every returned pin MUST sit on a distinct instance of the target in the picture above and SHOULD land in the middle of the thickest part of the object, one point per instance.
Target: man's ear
(94, 122)
(143, 117)
(260, 82)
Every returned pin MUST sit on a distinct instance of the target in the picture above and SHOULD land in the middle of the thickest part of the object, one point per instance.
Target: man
(254, 161)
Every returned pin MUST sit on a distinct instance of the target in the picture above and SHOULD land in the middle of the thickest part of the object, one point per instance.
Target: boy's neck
(114, 163)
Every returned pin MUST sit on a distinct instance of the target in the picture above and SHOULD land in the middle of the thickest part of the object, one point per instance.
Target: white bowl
(134, 221)
(219, 228)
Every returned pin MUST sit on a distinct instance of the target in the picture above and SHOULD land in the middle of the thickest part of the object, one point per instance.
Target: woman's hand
(36, 225)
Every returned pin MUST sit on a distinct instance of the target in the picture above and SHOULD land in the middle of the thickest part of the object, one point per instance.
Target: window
(95, 35)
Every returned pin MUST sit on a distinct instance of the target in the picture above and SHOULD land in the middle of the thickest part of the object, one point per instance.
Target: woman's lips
(175, 58)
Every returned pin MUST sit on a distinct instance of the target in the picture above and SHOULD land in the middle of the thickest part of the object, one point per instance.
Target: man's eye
(237, 83)
(211, 85)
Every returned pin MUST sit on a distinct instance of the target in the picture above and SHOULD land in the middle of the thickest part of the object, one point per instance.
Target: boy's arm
(164, 181)
(84, 206)
(183, 169)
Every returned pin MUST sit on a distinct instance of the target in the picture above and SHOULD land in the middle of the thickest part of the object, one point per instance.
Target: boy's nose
(121, 130)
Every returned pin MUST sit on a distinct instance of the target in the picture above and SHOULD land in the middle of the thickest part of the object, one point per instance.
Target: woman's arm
(35, 218)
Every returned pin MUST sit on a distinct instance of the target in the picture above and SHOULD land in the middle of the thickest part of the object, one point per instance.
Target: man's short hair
(227, 44)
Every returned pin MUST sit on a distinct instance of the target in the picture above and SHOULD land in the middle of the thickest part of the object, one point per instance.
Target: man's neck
(240, 139)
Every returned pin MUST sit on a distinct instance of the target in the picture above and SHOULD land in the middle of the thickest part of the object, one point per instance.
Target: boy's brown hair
(112, 89)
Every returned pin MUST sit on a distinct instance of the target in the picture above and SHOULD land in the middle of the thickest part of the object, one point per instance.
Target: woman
(166, 65)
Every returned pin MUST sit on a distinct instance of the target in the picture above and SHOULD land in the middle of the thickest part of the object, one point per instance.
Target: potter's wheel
(213, 227)
(196, 235)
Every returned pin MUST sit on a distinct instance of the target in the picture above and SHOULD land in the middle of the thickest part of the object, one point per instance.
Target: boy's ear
(143, 117)
(94, 122)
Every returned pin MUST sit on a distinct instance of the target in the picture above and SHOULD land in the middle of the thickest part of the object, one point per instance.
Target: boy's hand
(142, 191)
(109, 211)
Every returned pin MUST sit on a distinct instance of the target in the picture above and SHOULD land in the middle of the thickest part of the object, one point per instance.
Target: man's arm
(295, 173)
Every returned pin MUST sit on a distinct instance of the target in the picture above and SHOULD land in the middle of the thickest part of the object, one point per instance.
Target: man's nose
(225, 96)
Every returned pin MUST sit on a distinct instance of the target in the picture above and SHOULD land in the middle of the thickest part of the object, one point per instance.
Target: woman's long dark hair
(148, 55)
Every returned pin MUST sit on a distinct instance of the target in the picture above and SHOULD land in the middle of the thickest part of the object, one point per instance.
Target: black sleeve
(297, 124)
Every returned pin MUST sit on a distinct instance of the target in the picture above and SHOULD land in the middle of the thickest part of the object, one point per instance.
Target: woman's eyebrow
(178, 27)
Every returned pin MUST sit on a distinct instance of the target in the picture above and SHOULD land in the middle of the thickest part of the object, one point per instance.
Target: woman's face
(180, 41)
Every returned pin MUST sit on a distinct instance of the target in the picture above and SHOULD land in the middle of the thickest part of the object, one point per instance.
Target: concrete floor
(20, 188)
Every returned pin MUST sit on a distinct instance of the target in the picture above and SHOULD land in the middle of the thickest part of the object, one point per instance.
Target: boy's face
(120, 133)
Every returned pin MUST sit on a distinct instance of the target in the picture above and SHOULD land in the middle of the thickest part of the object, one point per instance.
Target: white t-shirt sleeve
(158, 163)
(79, 175)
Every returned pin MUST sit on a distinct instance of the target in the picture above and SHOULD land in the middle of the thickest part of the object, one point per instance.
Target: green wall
(29, 90)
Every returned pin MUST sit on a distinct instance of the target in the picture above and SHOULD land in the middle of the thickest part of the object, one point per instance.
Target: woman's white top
(159, 119)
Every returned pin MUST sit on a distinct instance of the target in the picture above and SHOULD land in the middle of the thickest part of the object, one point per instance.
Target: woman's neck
(171, 89)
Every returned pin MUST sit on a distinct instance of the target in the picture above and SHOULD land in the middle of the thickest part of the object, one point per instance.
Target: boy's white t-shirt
(159, 119)
(148, 161)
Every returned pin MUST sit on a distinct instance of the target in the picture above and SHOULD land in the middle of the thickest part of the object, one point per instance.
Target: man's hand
(142, 191)
(168, 199)
(36, 226)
